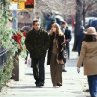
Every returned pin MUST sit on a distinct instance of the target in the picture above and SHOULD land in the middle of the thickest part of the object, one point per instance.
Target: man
(68, 39)
(63, 26)
(37, 43)
(67, 34)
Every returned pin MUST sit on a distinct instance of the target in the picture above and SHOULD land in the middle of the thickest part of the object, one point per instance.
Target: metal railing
(3, 56)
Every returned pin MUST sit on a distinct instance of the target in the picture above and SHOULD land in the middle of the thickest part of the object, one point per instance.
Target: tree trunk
(84, 13)
(78, 24)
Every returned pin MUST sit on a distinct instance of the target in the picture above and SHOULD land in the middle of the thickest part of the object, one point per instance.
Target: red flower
(17, 37)
(14, 37)
(24, 34)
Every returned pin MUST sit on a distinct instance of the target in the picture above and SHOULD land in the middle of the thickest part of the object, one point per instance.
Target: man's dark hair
(35, 22)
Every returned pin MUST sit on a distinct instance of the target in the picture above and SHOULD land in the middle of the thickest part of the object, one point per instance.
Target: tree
(78, 19)
(88, 5)
(82, 8)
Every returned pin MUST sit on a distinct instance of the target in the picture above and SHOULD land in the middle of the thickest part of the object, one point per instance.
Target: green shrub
(6, 72)
(6, 42)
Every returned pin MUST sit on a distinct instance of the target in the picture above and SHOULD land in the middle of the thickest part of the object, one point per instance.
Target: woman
(88, 56)
(55, 54)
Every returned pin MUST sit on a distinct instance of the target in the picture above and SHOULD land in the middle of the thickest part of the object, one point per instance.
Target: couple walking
(37, 42)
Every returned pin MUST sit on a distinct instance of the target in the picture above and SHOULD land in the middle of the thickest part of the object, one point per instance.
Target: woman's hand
(60, 61)
(78, 69)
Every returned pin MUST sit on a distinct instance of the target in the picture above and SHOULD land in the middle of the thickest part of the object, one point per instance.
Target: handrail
(3, 52)
(3, 56)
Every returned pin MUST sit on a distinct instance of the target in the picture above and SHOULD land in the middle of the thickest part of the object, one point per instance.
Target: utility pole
(15, 20)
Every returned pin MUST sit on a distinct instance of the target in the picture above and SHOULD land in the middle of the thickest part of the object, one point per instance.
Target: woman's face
(53, 28)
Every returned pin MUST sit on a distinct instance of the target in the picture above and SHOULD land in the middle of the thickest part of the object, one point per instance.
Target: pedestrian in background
(37, 43)
(67, 33)
(67, 40)
(63, 27)
(88, 56)
(80, 39)
(55, 54)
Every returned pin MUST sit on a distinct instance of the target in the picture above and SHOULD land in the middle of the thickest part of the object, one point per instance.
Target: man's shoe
(36, 82)
(40, 84)
(87, 90)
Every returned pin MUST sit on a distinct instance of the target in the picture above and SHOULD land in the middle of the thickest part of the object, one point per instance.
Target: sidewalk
(73, 83)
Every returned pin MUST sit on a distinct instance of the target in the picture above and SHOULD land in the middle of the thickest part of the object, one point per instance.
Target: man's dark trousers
(39, 69)
(68, 49)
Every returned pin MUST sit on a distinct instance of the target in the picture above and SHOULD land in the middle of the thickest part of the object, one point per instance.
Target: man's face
(63, 26)
(36, 26)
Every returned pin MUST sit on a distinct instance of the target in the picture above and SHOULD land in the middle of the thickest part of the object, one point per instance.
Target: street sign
(29, 4)
(13, 6)
(14, 1)
(21, 5)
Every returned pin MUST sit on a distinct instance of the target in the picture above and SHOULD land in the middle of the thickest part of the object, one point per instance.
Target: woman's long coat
(61, 45)
(88, 57)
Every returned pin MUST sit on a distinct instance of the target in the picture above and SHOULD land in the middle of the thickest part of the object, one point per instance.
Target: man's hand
(78, 69)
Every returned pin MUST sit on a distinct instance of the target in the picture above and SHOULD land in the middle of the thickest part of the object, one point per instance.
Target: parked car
(91, 21)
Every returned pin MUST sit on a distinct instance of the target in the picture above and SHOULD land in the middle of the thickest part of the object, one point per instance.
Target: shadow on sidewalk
(29, 87)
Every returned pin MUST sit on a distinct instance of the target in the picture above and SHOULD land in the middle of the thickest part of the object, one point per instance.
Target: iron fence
(3, 56)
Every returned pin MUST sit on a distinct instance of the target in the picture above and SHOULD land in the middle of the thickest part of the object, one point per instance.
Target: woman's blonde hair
(58, 29)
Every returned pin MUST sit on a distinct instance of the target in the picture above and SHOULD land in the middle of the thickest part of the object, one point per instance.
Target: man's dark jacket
(67, 34)
(37, 42)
